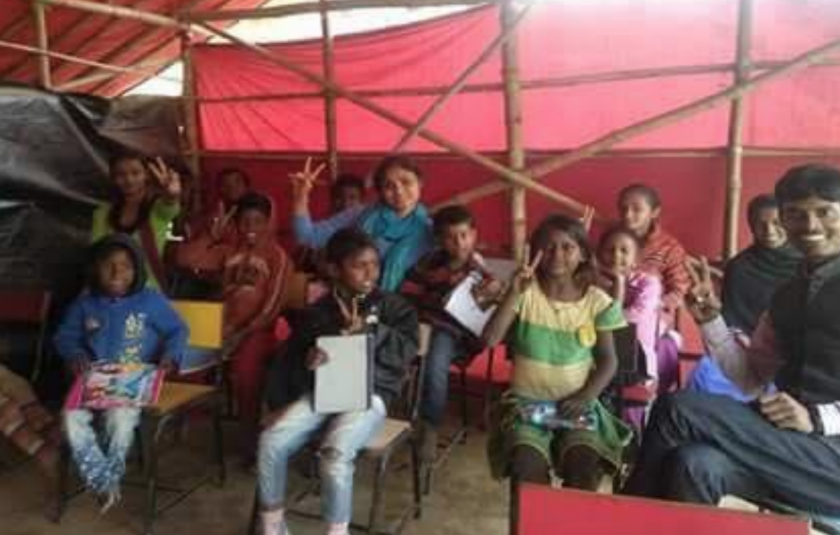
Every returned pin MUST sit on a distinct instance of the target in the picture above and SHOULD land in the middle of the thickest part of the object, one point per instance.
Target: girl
(563, 360)
(141, 208)
(639, 208)
(398, 222)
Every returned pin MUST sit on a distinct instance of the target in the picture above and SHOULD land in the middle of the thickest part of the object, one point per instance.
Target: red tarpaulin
(277, 111)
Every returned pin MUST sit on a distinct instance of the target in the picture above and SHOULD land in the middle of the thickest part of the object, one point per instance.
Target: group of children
(389, 266)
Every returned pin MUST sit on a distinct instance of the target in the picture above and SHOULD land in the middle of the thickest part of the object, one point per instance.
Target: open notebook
(345, 382)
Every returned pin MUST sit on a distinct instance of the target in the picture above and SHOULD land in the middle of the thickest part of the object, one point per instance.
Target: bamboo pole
(44, 73)
(352, 96)
(313, 7)
(677, 114)
(121, 12)
(504, 37)
(104, 76)
(513, 126)
(81, 61)
(734, 162)
(329, 95)
(190, 108)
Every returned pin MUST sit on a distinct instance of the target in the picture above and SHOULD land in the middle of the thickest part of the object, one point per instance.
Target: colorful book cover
(114, 385)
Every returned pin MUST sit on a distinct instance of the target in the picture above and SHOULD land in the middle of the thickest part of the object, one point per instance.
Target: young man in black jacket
(355, 305)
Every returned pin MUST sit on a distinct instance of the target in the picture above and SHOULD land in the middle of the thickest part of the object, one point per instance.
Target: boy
(348, 191)
(428, 285)
(353, 306)
(118, 320)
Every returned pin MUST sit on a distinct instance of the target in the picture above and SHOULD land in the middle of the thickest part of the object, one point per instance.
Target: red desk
(547, 511)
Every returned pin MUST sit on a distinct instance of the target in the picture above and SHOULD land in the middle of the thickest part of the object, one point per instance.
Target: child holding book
(118, 320)
(551, 420)
(428, 285)
(354, 305)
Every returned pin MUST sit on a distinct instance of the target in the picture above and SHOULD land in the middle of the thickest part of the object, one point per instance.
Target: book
(344, 383)
(109, 385)
(463, 308)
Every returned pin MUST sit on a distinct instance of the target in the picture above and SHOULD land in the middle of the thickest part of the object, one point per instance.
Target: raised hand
(304, 181)
(525, 275)
(353, 322)
(167, 178)
(702, 301)
(587, 217)
(221, 221)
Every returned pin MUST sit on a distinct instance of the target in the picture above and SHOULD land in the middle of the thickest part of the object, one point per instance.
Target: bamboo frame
(329, 96)
(504, 37)
(44, 73)
(104, 76)
(352, 96)
(314, 7)
(734, 163)
(121, 12)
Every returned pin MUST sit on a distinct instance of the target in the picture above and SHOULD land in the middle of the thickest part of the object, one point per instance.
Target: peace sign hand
(525, 275)
(221, 221)
(353, 322)
(702, 301)
(304, 181)
(167, 178)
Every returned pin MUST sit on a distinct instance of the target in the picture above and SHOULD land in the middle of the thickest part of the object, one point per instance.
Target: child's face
(400, 190)
(130, 177)
(347, 197)
(636, 213)
(767, 229)
(813, 226)
(252, 224)
(459, 241)
(561, 255)
(359, 272)
(232, 187)
(619, 254)
(115, 273)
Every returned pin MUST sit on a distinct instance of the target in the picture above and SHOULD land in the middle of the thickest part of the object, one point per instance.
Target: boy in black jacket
(353, 306)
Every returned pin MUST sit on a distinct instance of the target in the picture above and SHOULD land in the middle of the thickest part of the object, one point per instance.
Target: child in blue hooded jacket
(117, 320)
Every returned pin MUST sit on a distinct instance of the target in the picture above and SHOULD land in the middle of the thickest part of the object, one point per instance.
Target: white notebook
(343, 383)
(462, 306)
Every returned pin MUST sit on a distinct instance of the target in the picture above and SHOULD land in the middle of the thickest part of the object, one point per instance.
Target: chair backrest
(204, 318)
(631, 361)
(24, 315)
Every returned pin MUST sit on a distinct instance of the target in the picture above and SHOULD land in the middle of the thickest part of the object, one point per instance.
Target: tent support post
(513, 127)
(329, 95)
(734, 162)
(621, 135)
(518, 178)
(190, 110)
(504, 36)
(44, 73)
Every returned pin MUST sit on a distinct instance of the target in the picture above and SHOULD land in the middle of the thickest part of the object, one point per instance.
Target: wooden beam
(513, 126)
(44, 73)
(329, 95)
(734, 163)
(287, 10)
(459, 83)
(153, 65)
(121, 12)
(352, 96)
(677, 114)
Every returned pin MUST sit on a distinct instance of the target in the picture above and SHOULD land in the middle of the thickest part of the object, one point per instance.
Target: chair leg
(416, 479)
(149, 430)
(62, 481)
(376, 501)
(465, 409)
(253, 524)
(219, 440)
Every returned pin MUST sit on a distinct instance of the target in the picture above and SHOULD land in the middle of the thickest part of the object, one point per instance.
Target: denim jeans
(101, 469)
(344, 435)
(444, 347)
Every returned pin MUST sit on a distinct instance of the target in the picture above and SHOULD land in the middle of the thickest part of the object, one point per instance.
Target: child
(563, 359)
(141, 209)
(118, 320)
(640, 293)
(427, 285)
(639, 209)
(254, 270)
(348, 191)
(353, 306)
(398, 222)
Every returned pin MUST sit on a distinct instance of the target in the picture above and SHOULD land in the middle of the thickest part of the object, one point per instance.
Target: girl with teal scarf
(398, 223)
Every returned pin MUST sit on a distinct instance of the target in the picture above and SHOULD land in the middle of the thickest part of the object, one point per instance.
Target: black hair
(253, 201)
(347, 242)
(235, 171)
(125, 155)
(398, 161)
(586, 271)
(810, 180)
(648, 193)
(619, 230)
(450, 216)
(347, 180)
(765, 201)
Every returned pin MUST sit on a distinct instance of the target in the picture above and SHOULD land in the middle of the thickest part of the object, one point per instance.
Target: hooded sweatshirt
(139, 326)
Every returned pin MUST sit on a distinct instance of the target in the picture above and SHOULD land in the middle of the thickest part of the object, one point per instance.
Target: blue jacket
(140, 326)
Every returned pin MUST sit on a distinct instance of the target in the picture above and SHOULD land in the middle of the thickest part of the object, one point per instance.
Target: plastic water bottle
(544, 414)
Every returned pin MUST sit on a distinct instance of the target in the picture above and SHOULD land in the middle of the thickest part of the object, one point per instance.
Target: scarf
(750, 280)
(400, 241)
